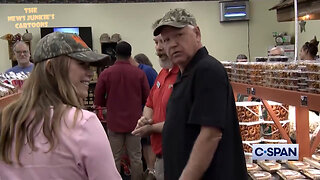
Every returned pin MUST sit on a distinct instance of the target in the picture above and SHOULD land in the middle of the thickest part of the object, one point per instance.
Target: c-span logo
(275, 151)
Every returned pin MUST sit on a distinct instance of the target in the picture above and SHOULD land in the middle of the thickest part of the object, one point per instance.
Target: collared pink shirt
(83, 152)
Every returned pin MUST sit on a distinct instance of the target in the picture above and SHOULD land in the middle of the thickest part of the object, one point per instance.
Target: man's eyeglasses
(24, 52)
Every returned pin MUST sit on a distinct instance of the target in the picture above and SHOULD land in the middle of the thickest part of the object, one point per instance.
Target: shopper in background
(201, 136)
(22, 54)
(242, 58)
(143, 59)
(154, 113)
(309, 50)
(146, 68)
(276, 51)
(123, 89)
(45, 134)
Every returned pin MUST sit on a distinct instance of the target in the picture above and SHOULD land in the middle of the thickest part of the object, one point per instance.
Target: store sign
(31, 19)
(275, 152)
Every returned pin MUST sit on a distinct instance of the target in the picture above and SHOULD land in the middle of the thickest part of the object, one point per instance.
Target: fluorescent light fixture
(235, 7)
(238, 14)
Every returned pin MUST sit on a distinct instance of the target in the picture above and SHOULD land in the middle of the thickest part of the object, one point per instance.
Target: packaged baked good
(312, 162)
(297, 165)
(312, 173)
(252, 167)
(247, 145)
(281, 111)
(316, 156)
(250, 131)
(289, 174)
(270, 130)
(270, 166)
(248, 111)
(260, 175)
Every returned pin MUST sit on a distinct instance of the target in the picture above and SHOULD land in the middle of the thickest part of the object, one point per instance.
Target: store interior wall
(312, 29)
(133, 22)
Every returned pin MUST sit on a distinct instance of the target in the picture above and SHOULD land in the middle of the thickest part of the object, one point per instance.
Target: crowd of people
(183, 121)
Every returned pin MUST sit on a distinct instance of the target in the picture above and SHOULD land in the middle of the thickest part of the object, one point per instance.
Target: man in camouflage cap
(56, 44)
(201, 137)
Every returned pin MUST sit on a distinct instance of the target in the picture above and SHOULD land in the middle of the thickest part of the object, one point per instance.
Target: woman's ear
(49, 67)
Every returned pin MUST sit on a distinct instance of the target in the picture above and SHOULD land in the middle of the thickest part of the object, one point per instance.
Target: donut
(274, 107)
(242, 114)
(283, 112)
(248, 114)
(277, 112)
(252, 131)
(245, 133)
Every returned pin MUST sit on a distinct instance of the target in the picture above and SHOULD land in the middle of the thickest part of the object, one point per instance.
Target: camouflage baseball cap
(178, 18)
(56, 44)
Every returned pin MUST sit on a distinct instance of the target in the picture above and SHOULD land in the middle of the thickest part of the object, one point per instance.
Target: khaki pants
(120, 141)
(158, 167)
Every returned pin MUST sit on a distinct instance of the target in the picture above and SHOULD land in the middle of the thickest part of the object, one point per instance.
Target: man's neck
(24, 65)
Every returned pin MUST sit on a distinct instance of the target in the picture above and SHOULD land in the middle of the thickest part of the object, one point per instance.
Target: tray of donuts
(280, 110)
(248, 111)
(270, 130)
(250, 131)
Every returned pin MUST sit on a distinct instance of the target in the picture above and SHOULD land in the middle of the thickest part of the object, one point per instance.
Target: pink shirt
(83, 152)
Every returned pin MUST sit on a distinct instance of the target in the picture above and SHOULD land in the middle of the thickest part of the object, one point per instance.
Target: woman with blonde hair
(46, 134)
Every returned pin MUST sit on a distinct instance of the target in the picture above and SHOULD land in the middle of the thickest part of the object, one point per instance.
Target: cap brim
(158, 29)
(91, 57)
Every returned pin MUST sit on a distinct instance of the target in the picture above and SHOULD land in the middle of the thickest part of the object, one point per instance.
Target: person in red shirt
(154, 113)
(123, 89)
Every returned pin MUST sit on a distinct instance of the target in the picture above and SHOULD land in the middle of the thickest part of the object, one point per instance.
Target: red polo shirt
(123, 89)
(158, 99)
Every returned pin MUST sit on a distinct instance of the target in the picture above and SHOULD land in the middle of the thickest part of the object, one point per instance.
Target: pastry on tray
(298, 165)
(289, 174)
(260, 175)
(270, 166)
(312, 173)
(252, 167)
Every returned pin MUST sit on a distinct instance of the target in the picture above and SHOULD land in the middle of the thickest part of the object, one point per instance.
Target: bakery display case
(295, 83)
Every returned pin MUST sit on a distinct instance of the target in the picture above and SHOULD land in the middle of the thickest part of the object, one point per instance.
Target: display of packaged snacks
(260, 175)
(248, 111)
(270, 166)
(281, 111)
(297, 165)
(247, 145)
(270, 131)
(273, 141)
(316, 156)
(261, 59)
(289, 174)
(312, 173)
(312, 162)
(250, 131)
(252, 167)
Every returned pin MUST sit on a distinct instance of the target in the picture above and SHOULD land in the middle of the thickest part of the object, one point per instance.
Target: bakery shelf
(301, 100)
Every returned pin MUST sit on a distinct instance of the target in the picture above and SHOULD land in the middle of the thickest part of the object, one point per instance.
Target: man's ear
(198, 33)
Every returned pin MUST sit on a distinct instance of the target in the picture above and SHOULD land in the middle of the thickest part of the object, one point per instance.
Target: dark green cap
(178, 18)
(56, 44)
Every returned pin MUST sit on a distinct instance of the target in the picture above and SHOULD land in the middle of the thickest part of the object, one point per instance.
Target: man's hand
(143, 121)
(143, 127)
(143, 131)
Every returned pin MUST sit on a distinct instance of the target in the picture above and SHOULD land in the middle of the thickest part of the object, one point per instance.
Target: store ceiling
(91, 1)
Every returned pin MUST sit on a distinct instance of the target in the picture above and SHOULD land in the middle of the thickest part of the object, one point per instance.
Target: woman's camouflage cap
(56, 44)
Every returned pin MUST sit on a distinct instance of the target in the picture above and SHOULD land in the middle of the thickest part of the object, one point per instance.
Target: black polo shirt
(202, 96)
